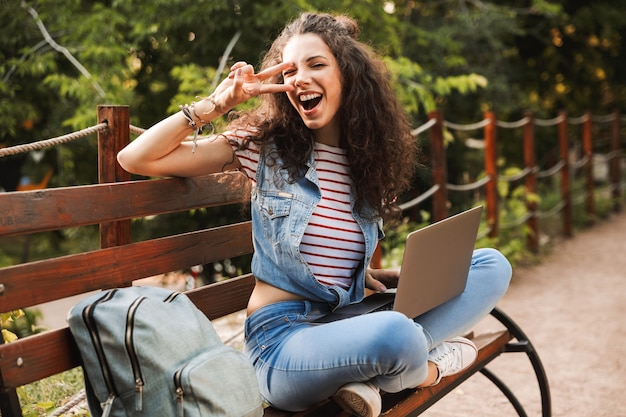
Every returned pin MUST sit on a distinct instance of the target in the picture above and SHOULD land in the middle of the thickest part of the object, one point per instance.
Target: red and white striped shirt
(333, 243)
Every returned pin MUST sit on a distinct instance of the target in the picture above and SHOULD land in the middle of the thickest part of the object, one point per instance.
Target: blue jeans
(300, 363)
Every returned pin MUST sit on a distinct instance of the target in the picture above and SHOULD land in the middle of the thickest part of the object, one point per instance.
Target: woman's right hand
(242, 84)
(162, 150)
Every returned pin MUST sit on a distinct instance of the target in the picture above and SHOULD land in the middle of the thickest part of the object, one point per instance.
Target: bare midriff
(264, 294)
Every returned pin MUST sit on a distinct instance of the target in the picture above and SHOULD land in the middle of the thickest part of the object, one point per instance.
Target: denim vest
(280, 212)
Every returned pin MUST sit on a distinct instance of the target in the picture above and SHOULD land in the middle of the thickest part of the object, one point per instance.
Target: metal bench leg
(523, 344)
(10, 404)
(506, 391)
(9, 401)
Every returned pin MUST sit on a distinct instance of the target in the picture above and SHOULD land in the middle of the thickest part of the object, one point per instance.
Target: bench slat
(325, 409)
(59, 208)
(223, 298)
(36, 357)
(118, 266)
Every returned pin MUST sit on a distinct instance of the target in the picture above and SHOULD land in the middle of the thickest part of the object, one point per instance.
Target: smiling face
(317, 81)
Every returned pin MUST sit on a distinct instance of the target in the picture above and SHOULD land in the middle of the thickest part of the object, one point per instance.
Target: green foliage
(21, 323)
(43, 397)
(421, 91)
(7, 321)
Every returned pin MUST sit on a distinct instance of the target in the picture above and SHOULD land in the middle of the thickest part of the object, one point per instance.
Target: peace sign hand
(243, 84)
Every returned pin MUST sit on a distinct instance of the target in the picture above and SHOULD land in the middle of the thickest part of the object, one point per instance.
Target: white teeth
(308, 97)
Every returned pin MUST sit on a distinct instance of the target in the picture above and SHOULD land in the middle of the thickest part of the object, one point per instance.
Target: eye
(289, 73)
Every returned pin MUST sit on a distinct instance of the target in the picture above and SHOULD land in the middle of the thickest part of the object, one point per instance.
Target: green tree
(575, 62)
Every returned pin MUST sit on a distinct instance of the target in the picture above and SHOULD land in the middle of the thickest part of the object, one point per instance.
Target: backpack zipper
(132, 353)
(107, 406)
(88, 318)
(179, 392)
(171, 297)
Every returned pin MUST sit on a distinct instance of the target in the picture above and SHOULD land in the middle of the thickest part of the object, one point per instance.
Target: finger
(240, 68)
(245, 70)
(244, 74)
(273, 70)
(238, 79)
(376, 285)
(235, 67)
(238, 65)
(275, 88)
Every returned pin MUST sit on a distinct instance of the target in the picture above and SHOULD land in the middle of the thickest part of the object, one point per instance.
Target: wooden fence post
(588, 153)
(566, 188)
(110, 142)
(532, 240)
(439, 167)
(491, 169)
(616, 150)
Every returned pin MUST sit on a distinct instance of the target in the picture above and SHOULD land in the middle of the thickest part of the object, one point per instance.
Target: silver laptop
(434, 269)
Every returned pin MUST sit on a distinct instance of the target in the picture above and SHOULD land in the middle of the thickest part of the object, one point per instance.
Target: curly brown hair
(375, 130)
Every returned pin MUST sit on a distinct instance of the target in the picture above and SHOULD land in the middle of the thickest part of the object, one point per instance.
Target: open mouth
(309, 101)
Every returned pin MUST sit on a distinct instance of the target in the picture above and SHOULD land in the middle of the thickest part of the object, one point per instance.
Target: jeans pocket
(271, 332)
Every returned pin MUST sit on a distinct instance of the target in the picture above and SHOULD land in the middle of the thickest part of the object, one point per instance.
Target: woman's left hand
(381, 279)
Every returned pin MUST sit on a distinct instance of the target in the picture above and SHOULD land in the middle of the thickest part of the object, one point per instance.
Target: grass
(44, 397)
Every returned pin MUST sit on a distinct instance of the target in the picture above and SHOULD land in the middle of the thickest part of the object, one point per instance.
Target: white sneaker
(452, 356)
(360, 399)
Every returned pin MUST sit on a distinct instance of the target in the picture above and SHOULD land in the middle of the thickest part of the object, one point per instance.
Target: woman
(328, 151)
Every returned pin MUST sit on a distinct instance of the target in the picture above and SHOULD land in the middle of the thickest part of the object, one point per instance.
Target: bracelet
(215, 107)
(188, 110)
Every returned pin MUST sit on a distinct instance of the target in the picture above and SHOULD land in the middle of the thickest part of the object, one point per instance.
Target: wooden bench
(120, 261)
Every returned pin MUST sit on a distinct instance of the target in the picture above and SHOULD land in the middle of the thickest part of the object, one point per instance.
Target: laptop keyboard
(384, 307)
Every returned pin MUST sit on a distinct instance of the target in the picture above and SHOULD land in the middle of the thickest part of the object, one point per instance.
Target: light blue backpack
(147, 351)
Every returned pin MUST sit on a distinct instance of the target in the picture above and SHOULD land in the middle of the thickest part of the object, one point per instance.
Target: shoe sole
(355, 403)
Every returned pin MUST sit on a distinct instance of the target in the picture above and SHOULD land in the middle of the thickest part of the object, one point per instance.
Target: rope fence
(420, 199)
(551, 171)
(136, 130)
(566, 167)
(34, 146)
